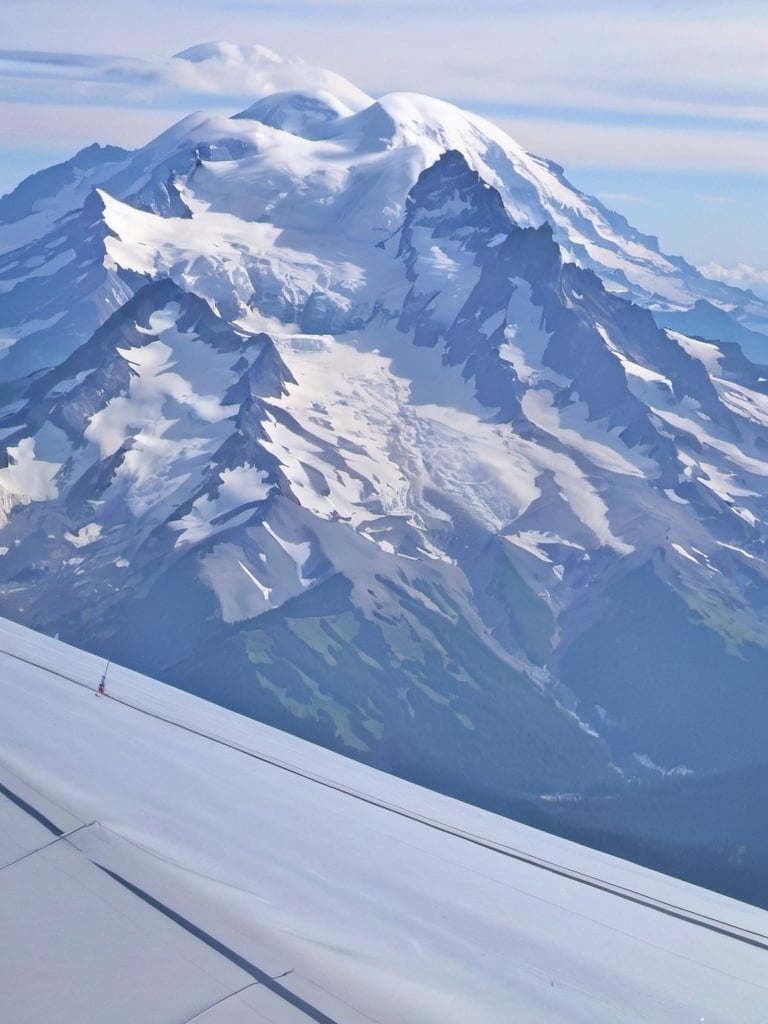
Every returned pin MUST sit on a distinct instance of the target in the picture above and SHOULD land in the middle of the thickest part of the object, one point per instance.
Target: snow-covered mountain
(336, 412)
(162, 859)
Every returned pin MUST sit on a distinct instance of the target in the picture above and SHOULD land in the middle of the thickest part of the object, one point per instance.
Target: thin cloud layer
(654, 85)
(637, 59)
(743, 275)
(215, 69)
(602, 100)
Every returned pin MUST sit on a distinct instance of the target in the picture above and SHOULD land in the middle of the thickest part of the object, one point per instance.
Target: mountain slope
(322, 423)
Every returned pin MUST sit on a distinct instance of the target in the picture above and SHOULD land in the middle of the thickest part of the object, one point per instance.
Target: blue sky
(661, 108)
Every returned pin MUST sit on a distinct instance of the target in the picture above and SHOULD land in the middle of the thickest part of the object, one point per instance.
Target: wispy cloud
(721, 200)
(609, 90)
(679, 123)
(642, 83)
(218, 70)
(640, 59)
(573, 144)
(66, 129)
(743, 275)
(623, 197)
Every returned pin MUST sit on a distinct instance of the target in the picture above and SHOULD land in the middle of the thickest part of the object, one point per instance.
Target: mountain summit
(355, 417)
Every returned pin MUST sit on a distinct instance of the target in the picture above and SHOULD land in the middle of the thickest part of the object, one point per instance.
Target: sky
(659, 108)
